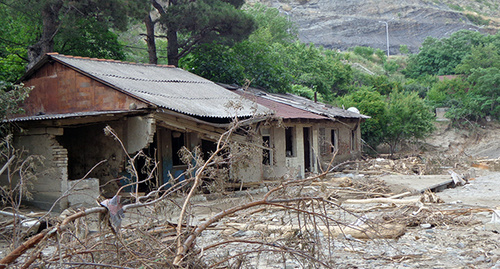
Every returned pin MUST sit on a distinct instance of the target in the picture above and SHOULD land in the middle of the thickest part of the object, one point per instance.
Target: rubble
(342, 220)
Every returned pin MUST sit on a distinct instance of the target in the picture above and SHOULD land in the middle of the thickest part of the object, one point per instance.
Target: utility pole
(386, 34)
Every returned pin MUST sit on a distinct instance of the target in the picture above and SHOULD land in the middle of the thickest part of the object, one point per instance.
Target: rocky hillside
(341, 24)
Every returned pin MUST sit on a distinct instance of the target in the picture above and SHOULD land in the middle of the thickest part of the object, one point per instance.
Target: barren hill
(348, 23)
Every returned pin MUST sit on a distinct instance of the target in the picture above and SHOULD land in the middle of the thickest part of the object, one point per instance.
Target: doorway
(307, 149)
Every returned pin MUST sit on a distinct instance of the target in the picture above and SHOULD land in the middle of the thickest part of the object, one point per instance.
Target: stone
(425, 226)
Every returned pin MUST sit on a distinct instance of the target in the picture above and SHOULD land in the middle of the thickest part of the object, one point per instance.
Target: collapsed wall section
(52, 178)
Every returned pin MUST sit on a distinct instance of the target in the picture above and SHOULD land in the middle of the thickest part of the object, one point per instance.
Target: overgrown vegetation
(269, 56)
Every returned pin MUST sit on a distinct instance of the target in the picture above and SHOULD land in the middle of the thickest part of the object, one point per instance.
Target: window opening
(333, 140)
(266, 153)
(289, 142)
(178, 141)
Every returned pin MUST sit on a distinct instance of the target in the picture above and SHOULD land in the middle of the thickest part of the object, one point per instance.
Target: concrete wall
(348, 146)
(139, 133)
(83, 192)
(246, 158)
(53, 176)
(320, 153)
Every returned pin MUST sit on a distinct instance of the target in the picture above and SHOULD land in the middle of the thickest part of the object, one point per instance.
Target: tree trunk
(50, 17)
(173, 46)
(150, 39)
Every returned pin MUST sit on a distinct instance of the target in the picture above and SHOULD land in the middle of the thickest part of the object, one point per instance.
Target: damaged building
(158, 110)
(306, 134)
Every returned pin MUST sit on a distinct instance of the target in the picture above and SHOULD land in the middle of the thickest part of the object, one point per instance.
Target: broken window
(333, 140)
(178, 141)
(266, 154)
(289, 141)
(353, 140)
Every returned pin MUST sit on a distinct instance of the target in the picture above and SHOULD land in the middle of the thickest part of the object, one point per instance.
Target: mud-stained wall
(293, 164)
(347, 141)
(52, 177)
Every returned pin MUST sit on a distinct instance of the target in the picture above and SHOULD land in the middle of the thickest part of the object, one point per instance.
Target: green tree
(317, 68)
(10, 98)
(441, 56)
(373, 104)
(89, 37)
(271, 61)
(409, 118)
(447, 93)
(483, 56)
(189, 23)
(486, 91)
(17, 31)
(55, 25)
(403, 49)
(383, 84)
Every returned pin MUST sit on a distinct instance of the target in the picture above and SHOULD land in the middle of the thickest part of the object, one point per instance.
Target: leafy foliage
(486, 92)
(89, 38)
(28, 29)
(17, 31)
(190, 23)
(399, 116)
(447, 93)
(270, 61)
(483, 56)
(373, 104)
(441, 56)
(10, 97)
(409, 118)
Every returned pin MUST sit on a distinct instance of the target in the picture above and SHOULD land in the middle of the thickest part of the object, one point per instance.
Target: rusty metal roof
(165, 87)
(289, 105)
(69, 115)
(281, 110)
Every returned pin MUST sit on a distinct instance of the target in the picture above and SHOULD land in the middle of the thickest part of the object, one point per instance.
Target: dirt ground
(462, 231)
(454, 228)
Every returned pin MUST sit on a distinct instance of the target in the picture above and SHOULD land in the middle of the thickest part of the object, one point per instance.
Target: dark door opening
(307, 149)
(144, 166)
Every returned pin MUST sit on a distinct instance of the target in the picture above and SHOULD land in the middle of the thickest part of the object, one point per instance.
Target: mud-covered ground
(454, 228)
(457, 233)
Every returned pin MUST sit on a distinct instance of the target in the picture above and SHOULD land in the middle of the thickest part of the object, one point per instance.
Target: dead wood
(366, 172)
(44, 235)
(457, 180)
(382, 201)
(378, 231)
(401, 195)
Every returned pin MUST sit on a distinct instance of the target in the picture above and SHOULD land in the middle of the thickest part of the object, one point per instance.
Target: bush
(365, 52)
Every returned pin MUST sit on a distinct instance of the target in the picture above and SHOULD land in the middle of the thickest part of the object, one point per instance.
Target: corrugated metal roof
(67, 115)
(282, 110)
(300, 103)
(166, 87)
(314, 107)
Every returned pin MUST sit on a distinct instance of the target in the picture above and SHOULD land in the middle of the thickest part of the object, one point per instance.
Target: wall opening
(178, 141)
(353, 140)
(290, 150)
(333, 140)
(266, 153)
(144, 166)
(307, 149)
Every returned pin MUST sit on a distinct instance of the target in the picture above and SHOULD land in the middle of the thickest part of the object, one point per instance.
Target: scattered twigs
(44, 235)
(270, 247)
(382, 200)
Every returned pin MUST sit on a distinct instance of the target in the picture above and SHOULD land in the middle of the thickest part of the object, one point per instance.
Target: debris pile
(343, 220)
(406, 166)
